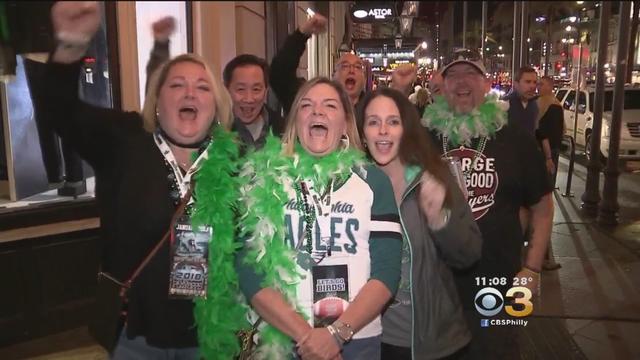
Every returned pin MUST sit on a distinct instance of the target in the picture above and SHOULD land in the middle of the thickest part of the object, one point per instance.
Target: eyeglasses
(346, 66)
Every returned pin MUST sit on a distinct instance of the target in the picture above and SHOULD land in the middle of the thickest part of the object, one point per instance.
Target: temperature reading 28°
(522, 281)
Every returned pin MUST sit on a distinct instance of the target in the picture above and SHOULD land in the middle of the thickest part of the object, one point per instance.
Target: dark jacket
(283, 78)
(521, 116)
(439, 327)
(273, 122)
(551, 126)
(133, 193)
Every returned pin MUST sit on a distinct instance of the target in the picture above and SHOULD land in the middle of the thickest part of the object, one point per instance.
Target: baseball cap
(466, 56)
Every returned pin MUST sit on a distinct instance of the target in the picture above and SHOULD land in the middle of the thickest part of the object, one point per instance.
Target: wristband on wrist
(531, 270)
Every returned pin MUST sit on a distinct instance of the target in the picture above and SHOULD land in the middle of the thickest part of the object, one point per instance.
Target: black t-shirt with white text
(509, 174)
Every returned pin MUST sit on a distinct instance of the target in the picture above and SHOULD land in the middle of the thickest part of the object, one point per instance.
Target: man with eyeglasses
(349, 71)
(503, 170)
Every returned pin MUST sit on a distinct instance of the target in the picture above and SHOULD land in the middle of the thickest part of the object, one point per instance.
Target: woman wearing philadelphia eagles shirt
(323, 239)
(425, 319)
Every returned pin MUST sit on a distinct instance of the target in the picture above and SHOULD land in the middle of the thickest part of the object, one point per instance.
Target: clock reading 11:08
(502, 281)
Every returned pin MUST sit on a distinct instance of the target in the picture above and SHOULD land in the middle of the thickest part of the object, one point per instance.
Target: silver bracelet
(332, 330)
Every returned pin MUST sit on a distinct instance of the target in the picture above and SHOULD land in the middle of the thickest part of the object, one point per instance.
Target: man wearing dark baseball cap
(503, 171)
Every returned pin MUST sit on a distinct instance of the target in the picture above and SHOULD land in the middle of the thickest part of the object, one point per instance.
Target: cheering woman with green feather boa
(322, 246)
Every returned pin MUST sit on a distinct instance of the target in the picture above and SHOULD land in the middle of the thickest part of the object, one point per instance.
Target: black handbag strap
(127, 284)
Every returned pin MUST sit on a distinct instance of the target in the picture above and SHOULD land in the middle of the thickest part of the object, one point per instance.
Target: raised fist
(315, 25)
(403, 76)
(163, 28)
(432, 196)
(75, 21)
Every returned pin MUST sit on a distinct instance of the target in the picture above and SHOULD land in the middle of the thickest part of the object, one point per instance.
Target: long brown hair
(416, 147)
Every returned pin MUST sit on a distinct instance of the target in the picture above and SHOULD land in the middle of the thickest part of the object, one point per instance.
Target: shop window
(36, 167)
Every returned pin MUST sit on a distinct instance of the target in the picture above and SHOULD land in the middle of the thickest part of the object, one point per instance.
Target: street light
(398, 41)
(568, 28)
(420, 47)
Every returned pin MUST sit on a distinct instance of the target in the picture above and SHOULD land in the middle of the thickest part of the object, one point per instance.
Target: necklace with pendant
(174, 187)
(478, 152)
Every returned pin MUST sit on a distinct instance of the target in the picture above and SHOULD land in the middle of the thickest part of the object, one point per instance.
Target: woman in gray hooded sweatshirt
(425, 319)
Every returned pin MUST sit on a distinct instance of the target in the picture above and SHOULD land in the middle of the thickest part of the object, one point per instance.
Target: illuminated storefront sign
(373, 12)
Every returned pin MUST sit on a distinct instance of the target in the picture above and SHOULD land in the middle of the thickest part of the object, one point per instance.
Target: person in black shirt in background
(550, 125)
(523, 110)
(549, 133)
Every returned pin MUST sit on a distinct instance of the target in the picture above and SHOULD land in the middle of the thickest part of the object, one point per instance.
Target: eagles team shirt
(362, 228)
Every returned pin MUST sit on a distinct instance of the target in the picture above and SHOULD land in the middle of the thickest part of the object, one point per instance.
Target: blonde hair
(289, 137)
(422, 97)
(223, 113)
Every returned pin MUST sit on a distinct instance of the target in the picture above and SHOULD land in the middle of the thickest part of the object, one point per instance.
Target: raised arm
(283, 78)
(90, 130)
(162, 31)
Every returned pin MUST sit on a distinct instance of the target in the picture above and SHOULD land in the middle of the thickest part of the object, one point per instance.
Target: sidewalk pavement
(592, 303)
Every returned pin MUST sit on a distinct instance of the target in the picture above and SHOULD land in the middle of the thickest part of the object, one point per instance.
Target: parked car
(630, 129)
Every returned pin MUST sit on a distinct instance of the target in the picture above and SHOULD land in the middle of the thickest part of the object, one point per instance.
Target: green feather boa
(263, 199)
(221, 314)
(490, 117)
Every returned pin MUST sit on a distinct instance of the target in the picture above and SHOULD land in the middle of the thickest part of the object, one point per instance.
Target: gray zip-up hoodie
(439, 327)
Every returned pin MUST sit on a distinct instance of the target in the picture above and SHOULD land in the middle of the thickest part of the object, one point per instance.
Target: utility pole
(524, 33)
(632, 43)
(591, 195)
(517, 29)
(484, 28)
(547, 52)
(608, 214)
(464, 24)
